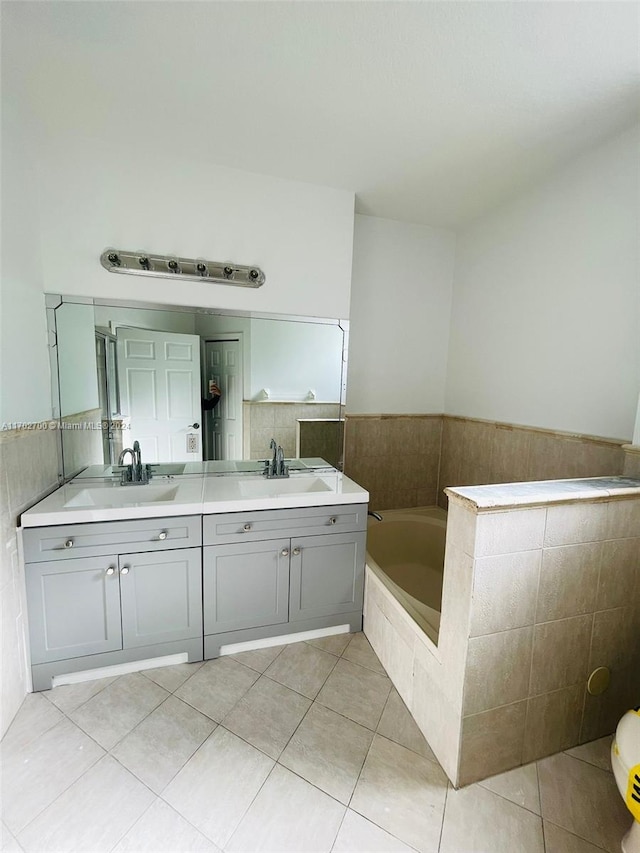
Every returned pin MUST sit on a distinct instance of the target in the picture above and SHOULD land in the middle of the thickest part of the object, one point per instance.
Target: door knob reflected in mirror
(194, 426)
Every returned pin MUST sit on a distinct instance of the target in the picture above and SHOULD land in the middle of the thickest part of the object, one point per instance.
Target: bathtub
(406, 552)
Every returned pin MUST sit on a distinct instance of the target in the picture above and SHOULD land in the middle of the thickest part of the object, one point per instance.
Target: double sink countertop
(96, 495)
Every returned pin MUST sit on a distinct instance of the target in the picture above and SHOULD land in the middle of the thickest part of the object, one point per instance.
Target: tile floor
(299, 748)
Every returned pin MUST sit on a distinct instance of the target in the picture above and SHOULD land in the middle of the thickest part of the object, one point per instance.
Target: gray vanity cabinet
(74, 608)
(89, 610)
(246, 585)
(327, 575)
(275, 572)
(161, 597)
(91, 605)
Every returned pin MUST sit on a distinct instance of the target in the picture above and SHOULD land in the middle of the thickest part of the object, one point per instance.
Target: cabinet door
(246, 586)
(74, 608)
(161, 595)
(327, 575)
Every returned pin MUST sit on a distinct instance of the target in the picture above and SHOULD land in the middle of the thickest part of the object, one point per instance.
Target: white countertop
(106, 500)
(507, 495)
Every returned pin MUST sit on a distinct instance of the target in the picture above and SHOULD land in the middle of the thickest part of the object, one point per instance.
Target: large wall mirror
(193, 385)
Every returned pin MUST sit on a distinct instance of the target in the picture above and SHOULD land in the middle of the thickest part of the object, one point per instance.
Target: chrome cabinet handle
(162, 535)
(285, 552)
(333, 519)
(247, 527)
(296, 551)
(110, 571)
(68, 543)
(124, 570)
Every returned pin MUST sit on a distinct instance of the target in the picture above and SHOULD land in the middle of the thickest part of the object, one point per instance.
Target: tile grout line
(544, 840)
(444, 812)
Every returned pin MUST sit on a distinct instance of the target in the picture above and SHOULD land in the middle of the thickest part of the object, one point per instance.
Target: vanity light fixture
(192, 269)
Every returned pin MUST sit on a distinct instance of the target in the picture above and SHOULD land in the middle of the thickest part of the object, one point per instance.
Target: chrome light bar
(193, 269)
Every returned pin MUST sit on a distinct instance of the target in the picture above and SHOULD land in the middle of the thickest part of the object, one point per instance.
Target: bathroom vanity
(116, 574)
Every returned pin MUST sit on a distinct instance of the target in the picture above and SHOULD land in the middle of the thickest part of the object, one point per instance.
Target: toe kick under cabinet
(105, 593)
(276, 572)
(112, 592)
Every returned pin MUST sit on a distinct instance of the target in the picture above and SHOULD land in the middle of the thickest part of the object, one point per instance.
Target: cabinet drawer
(275, 523)
(107, 537)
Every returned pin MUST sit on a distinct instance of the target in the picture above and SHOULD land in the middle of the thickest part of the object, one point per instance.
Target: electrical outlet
(192, 442)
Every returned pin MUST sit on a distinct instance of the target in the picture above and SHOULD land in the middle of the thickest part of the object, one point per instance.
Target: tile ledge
(521, 495)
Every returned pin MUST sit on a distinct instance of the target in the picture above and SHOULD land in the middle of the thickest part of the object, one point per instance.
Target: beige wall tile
(619, 580)
(616, 639)
(438, 720)
(551, 457)
(392, 499)
(492, 742)
(478, 447)
(28, 469)
(600, 460)
(498, 668)
(427, 495)
(553, 722)
(454, 626)
(452, 452)
(263, 416)
(631, 465)
(560, 654)
(569, 524)
(504, 592)
(568, 581)
(461, 527)
(508, 532)
(510, 454)
(623, 518)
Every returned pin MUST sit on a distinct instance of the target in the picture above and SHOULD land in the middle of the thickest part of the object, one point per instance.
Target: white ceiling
(431, 112)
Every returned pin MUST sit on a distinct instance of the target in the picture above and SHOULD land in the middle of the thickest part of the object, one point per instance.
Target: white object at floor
(625, 761)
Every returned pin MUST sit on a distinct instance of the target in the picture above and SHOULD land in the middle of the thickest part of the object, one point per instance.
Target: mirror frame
(54, 301)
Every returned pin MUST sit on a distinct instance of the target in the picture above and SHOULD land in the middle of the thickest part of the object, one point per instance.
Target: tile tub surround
(265, 420)
(535, 598)
(556, 594)
(278, 772)
(476, 452)
(631, 460)
(408, 460)
(395, 457)
(28, 470)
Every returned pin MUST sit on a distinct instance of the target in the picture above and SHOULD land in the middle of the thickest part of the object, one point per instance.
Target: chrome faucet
(124, 453)
(276, 466)
(135, 472)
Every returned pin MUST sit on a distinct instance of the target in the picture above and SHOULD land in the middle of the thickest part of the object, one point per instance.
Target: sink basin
(264, 488)
(122, 496)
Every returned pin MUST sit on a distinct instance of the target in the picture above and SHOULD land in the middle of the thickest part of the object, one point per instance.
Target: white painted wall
(291, 358)
(25, 393)
(400, 314)
(545, 326)
(94, 196)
